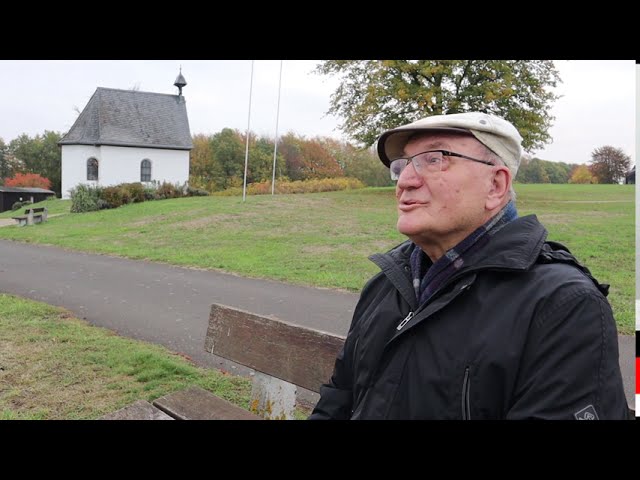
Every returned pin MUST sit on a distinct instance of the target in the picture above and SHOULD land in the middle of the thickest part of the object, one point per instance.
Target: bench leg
(272, 398)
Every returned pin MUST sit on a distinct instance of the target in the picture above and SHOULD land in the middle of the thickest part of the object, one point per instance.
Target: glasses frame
(445, 153)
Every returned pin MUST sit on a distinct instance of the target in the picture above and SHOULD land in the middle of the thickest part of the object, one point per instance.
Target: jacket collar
(515, 247)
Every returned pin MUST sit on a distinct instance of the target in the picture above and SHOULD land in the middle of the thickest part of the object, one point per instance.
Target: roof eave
(123, 144)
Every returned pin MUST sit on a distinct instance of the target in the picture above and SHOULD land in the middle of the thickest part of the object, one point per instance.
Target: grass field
(324, 239)
(55, 366)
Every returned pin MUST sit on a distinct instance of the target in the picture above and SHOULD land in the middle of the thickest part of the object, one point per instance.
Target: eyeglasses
(430, 161)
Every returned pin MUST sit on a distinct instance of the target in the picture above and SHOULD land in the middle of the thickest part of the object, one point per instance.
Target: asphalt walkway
(170, 305)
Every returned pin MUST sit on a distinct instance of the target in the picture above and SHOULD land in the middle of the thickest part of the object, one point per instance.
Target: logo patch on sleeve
(587, 413)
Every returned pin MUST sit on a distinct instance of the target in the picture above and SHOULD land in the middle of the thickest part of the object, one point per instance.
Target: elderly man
(476, 315)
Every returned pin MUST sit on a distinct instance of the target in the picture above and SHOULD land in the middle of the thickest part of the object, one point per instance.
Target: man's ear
(499, 188)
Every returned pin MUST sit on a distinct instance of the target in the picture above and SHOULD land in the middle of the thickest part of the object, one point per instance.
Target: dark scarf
(428, 276)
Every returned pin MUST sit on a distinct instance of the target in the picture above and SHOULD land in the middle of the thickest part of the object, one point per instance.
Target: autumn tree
(582, 174)
(228, 152)
(609, 164)
(375, 95)
(533, 171)
(40, 155)
(260, 167)
(202, 171)
(558, 172)
(360, 163)
(28, 180)
(290, 146)
(317, 162)
(5, 169)
(10, 165)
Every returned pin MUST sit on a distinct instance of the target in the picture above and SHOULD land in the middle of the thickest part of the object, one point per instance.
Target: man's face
(444, 206)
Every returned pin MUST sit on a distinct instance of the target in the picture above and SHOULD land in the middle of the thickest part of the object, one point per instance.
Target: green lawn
(55, 366)
(323, 239)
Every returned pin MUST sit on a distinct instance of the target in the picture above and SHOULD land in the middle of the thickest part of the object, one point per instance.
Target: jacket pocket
(466, 388)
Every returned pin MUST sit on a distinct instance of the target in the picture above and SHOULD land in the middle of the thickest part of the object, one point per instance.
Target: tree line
(217, 162)
(607, 165)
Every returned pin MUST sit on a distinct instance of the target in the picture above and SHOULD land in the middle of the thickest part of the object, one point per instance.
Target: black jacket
(522, 331)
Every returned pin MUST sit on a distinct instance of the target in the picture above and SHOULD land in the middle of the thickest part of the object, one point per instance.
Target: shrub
(84, 198)
(298, 186)
(196, 192)
(115, 196)
(135, 191)
(168, 190)
(19, 204)
(150, 192)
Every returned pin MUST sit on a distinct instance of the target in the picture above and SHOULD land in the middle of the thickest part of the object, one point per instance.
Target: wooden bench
(193, 403)
(32, 216)
(284, 357)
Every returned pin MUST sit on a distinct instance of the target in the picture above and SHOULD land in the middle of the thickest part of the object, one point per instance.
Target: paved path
(170, 305)
(157, 302)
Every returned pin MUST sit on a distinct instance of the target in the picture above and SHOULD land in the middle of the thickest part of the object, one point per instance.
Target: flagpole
(275, 147)
(246, 152)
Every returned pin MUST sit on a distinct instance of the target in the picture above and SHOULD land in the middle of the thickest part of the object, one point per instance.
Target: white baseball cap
(500, 136)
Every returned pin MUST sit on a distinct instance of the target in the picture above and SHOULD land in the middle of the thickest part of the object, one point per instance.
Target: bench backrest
(35, 210)
(295, 354)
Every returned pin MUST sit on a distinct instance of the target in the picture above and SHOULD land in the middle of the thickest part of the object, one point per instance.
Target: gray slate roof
(26, 190)
(132, 119)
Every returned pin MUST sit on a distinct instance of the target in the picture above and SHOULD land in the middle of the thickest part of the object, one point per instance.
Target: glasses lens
(396, 167)
(429, 161)
(426, 161)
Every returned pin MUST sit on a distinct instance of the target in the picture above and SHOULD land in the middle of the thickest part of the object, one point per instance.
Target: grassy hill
(323, 239)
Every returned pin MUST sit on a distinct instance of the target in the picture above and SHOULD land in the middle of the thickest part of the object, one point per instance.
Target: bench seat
(195, 403)
(139, 410)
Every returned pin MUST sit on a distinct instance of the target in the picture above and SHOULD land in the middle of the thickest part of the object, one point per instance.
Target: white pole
(275, 148)
(246, 152)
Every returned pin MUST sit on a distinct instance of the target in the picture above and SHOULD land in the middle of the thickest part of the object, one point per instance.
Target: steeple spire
(180, 82)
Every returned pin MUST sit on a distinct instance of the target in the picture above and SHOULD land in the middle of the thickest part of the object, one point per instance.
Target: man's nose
(409, 177)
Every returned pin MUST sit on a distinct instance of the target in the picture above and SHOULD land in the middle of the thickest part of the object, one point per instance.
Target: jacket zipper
(405, 321)
(466, 387)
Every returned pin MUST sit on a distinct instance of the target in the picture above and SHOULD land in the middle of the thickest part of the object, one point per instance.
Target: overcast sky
(597, 107)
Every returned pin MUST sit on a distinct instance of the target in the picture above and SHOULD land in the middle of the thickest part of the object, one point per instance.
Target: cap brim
(391, 143)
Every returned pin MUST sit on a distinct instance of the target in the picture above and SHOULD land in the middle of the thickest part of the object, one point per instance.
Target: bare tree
(610, 164)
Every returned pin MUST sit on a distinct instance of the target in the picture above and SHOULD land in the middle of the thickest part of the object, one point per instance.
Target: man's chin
(408, 229)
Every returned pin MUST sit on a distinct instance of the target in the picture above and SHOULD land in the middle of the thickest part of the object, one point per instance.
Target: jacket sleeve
(569, 369)
(336, 396)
